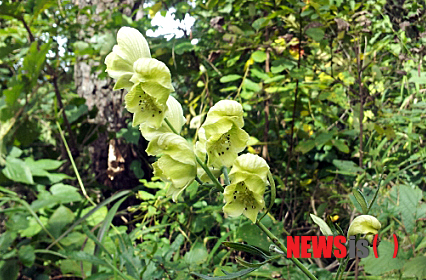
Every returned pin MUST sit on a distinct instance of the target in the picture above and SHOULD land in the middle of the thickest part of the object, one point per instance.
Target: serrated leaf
(385, 262)
(416, 267)
(409, 199)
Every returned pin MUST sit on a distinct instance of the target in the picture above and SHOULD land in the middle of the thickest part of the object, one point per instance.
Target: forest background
(334, 99)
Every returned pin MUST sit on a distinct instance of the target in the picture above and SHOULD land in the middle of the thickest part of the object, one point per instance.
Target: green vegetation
(333, 94)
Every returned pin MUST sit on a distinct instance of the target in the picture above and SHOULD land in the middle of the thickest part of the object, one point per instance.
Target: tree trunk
(111, 158)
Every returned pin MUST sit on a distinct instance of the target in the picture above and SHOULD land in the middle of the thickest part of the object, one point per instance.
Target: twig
(290, 152)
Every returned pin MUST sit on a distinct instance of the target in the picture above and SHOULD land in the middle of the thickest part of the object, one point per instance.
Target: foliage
(333, 100)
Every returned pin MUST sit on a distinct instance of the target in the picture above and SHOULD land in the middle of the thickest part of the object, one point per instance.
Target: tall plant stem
(77, 174)
(277, 242)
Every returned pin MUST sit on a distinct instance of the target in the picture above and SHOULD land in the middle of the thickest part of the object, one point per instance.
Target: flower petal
(152, 70)
(364, 224)
(173, 145)
(228, 109)
(132, 45)
(233, 208)
(117, 66)
(175, 116)
(223, 149)
(240, 200)
(247, 165)
(124, 82)
(178, 173)
(146, 109)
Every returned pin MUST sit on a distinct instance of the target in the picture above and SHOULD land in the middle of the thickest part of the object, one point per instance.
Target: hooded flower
(131, 46)
(147, 79)
(250, 168)
(175, 116)
(177, 163)
(248, 181)
(364, 224)
(224, 138)
(200, 151)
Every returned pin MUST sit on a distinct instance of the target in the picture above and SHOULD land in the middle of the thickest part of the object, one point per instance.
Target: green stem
(225, 174)
(171, 126)
(210, 174)
(342, 268)
(80, 182)
(284, 249)
(375, 195)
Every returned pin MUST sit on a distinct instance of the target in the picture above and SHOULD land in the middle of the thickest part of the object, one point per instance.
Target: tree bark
(110, 158)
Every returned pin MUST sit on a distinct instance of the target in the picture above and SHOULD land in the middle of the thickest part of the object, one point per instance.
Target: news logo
(326, 246)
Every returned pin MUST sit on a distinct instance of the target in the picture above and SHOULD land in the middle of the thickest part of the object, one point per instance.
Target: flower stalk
(277, 242)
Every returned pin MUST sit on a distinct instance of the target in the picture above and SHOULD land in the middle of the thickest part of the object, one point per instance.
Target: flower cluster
(148, 82)
(160, 119)
(147, 79)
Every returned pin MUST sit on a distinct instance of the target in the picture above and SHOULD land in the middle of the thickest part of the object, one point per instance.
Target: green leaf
(415, 78)
(33, 227)
(315, 33)
(359, 196)
(416, 267)
(85, 257)
(183, 47)
(9, 269)
(135, 166)
(90, 213)
(259, 56)
(42, 5)
(323, 138)
(130, 134)
(305, 146)
(325, 229)
(230, 78)
(45, 164)
(59, 219)
(97, 217)
(16, 170)
(197, 255)
(74, 112)
(250, 85)
(6, 240)
(347, 166)
(341, 146)
(275, 79)
(260, 22)
(248, 249)
(26, 255)
(385, 262)
(409, 199)
(228, 276)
